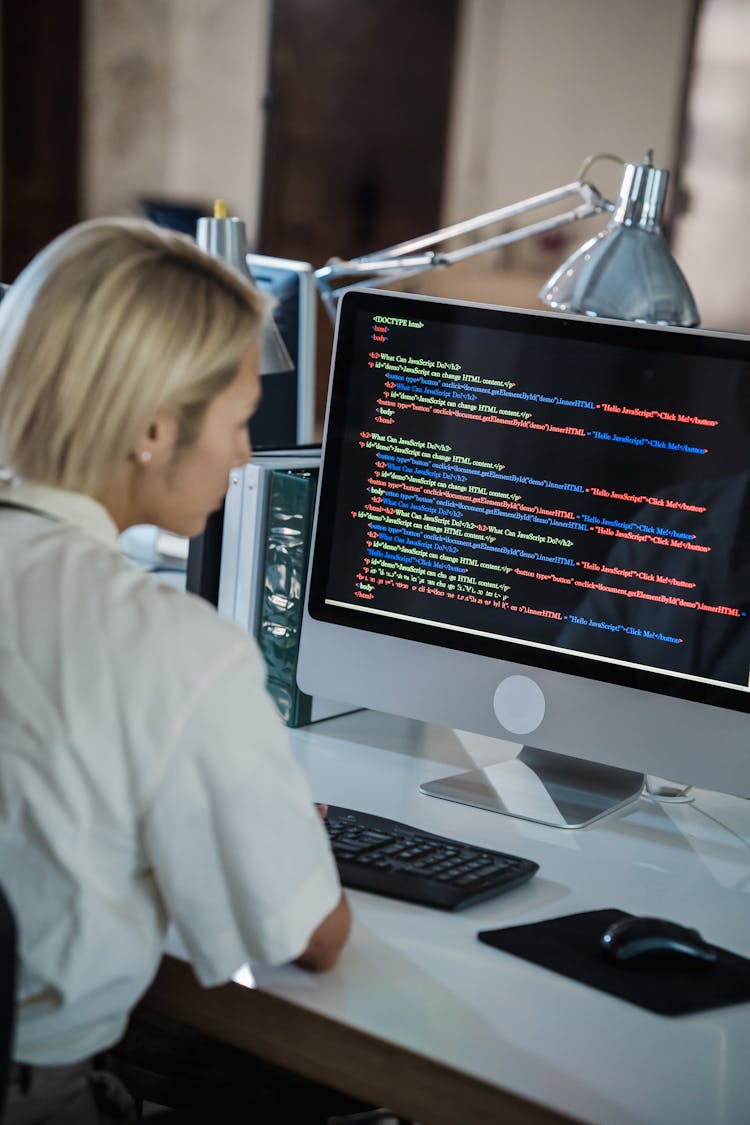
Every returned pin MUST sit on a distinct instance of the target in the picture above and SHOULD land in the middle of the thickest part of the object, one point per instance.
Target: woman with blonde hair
(144, 775)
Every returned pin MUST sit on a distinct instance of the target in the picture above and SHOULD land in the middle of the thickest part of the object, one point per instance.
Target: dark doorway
(41, 110)
(358, 104)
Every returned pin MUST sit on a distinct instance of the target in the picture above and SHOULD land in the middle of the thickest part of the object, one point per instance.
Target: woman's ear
(157, 445)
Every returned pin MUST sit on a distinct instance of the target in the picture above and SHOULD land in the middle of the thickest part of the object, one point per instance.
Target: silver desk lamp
(224, 237)
(626, 272)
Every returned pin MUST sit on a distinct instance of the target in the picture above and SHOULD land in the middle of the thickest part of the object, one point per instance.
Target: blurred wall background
(179, 100)
(174, 96)
(712, 237)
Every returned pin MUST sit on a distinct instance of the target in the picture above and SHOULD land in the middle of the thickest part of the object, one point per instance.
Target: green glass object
(291, 502)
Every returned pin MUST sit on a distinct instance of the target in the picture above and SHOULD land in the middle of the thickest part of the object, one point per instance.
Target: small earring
(144, 456)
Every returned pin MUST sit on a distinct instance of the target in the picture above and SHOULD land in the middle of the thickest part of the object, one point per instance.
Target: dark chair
(204, 1082)
(7, 990)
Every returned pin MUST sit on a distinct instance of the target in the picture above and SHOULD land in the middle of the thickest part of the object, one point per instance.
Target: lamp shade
(627, 272)
(225, 238)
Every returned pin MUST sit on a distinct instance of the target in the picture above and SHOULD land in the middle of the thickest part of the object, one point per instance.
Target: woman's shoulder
(139, 605)
(116, 611)
(106, 664)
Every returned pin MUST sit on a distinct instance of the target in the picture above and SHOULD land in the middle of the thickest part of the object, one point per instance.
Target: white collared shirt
(144, 777)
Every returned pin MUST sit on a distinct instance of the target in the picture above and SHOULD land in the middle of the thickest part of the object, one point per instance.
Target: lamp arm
(404, 260)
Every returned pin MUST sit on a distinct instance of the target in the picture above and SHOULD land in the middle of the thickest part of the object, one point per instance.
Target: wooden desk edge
(330, 1052)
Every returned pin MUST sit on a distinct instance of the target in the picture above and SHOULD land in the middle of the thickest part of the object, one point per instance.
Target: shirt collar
(68, 507)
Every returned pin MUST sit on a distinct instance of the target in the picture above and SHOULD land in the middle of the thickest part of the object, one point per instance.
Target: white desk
(422, 1016)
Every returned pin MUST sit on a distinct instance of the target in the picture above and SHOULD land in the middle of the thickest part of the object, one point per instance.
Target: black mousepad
(570, 946)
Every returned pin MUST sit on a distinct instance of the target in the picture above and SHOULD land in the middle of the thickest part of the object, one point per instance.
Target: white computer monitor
(537, 526)
(286, 414)
(287, 410)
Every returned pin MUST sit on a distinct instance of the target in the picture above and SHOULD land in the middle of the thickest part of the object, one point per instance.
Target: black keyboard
(387, 858)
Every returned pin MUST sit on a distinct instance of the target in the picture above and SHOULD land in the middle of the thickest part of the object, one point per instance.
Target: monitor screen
(525, 519)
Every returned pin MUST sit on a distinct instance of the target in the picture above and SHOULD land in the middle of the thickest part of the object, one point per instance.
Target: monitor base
(546, 788)
(668, 792)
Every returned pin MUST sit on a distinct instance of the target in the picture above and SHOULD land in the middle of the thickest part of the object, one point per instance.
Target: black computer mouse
(635, 939)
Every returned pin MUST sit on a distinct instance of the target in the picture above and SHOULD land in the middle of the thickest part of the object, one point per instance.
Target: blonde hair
(112, 320)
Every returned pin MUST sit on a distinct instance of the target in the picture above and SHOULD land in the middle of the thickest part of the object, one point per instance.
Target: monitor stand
(546, 788)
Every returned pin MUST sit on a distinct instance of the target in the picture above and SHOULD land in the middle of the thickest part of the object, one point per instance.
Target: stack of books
(268, 515)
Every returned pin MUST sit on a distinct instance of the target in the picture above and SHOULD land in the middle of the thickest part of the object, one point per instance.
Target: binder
(243, 541)
(268, 516)
(291, 500)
